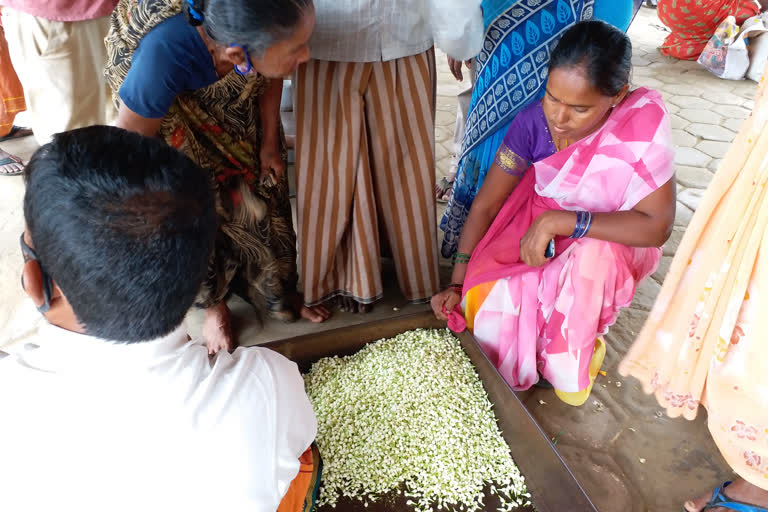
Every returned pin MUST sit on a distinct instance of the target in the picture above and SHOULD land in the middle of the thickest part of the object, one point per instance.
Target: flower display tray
(552, 486)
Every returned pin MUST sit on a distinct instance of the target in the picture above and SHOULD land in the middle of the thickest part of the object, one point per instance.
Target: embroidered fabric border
(510, 162)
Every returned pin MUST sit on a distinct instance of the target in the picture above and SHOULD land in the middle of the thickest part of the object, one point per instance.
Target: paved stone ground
(627, 454)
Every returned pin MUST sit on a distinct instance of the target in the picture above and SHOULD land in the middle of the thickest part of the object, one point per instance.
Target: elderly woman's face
(281, 59)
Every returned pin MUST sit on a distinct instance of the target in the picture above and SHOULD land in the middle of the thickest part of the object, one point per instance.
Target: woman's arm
(497, 187)
(269, 112)
(130, 120)
(648, 224)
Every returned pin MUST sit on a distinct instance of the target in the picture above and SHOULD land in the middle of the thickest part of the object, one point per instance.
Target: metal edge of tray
(551, 483)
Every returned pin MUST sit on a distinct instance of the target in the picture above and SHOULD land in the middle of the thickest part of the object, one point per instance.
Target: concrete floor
(626, 453)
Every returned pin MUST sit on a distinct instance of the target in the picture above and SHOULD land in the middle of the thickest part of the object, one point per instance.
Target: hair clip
(196, 15)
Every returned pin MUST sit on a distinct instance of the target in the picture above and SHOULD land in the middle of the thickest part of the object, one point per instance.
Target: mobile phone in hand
(550, 252)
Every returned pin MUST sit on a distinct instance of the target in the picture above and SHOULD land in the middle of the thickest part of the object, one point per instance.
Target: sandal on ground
(443, 190)
(16, 133)
(720, 500)
(11, 166)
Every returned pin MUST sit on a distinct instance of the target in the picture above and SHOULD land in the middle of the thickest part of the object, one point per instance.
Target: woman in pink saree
(589, 171)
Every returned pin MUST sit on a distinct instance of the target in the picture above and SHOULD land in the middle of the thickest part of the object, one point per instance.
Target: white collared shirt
(383, 30)
(90, 425)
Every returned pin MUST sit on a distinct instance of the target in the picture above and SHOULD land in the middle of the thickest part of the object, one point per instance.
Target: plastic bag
(758, 57)
(758, 52)
(726, 54)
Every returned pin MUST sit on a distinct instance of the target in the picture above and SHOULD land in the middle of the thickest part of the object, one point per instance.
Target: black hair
(604, 51)
(255, 24)
(124, 224)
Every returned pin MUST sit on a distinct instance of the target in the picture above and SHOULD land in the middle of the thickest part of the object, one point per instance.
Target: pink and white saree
(546, 319)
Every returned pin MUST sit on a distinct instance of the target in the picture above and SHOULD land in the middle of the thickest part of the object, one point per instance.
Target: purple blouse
(527, 141)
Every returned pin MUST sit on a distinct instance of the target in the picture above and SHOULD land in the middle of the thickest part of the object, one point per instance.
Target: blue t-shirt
(170, 59)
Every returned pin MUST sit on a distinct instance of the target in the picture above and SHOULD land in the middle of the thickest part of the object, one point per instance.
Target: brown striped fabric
(365, 165)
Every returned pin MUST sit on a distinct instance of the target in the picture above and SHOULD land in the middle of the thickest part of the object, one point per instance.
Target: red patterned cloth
(693, 22)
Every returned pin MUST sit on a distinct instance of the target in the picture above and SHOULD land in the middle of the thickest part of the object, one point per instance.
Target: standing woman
(704, 343)
(206, 77)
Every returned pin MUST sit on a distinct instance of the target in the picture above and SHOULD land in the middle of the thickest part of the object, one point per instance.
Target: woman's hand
(444, 302)
(534, 243)
(272, 164)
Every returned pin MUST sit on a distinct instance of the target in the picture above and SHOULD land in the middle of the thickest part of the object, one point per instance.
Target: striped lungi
(365, 160)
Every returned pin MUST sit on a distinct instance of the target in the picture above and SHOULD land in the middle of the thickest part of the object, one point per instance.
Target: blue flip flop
(720, 500)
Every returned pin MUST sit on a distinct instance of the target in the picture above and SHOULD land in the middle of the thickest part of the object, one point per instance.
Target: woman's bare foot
(285, 315)
(315, 314)
(739, 490)
(217, 328)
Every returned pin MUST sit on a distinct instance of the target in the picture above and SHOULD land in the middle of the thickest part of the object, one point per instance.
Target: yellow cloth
(705, 340)
(11, 93)
(577, 398)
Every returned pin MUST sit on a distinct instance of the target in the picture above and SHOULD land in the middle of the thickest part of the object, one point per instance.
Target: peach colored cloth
(706, 340)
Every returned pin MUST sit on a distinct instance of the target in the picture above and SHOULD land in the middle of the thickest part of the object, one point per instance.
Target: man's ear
(60, 313)
(32, 282)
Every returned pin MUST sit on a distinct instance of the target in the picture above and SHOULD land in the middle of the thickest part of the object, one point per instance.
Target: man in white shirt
(117, 409)
(365, 144)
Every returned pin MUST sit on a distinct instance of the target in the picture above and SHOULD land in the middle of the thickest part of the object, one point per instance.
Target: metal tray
(552, 485)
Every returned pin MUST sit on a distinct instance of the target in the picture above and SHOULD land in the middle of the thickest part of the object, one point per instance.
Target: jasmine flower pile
(409, 414)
